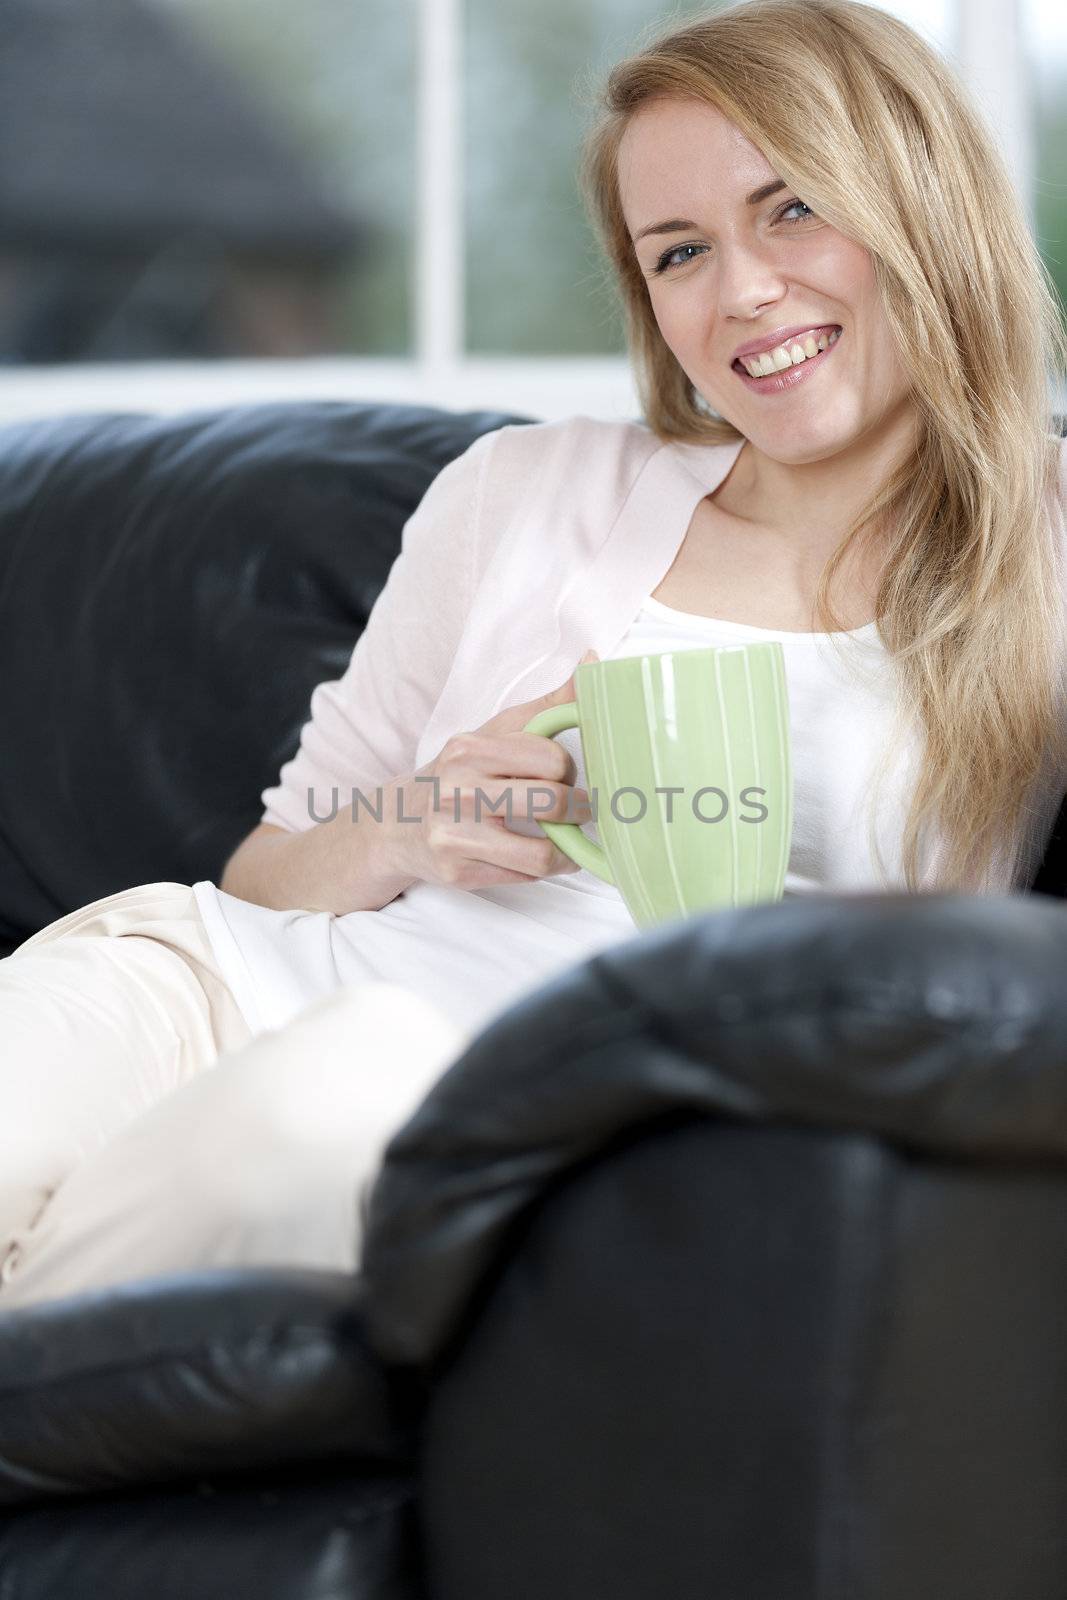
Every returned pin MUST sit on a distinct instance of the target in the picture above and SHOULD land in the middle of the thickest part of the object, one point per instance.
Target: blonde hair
(866, 122)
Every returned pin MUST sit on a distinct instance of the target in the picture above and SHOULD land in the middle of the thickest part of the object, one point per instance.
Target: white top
(474, 952)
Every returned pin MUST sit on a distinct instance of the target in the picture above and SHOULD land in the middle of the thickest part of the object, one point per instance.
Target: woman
(882, 492)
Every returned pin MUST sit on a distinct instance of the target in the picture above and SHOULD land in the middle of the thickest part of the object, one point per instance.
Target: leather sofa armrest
(196, 1374)
(730, 1263)
(933, 1022)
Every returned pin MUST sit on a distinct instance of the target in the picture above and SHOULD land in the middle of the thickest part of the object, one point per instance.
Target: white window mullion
(438, 236)
(990, 53)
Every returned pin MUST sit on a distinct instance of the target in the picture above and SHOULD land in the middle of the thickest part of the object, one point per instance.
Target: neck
(810, 505)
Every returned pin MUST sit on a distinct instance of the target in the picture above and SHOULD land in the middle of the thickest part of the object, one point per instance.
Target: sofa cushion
(195, 1374)
(172, 589)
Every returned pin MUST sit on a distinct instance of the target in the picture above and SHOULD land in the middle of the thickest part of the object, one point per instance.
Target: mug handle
(568, 836)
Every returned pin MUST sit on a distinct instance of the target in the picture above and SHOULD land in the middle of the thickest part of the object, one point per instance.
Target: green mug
(690, 778)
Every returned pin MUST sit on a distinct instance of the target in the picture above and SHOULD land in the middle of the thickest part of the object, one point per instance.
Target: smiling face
(728, 272)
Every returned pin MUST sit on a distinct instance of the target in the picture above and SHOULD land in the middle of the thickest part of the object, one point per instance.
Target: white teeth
(790, 355)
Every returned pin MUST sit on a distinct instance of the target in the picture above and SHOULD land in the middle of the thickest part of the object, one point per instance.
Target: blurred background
(212, 200)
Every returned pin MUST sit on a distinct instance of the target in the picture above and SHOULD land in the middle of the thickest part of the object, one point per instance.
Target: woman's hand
(460, 837)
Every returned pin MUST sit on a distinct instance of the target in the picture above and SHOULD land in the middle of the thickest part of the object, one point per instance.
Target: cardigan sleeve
(365, 726)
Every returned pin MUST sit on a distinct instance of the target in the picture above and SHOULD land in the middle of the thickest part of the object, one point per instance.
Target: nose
(748, 279)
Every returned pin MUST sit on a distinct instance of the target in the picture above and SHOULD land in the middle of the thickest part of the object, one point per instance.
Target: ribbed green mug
(689, 772)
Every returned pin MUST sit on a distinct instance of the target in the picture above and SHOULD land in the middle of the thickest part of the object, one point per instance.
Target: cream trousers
(145, 1130)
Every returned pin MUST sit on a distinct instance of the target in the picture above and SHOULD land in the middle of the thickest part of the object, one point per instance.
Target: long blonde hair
(866, 122)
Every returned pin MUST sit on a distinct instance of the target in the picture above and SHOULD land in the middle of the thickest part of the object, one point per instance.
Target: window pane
(533, 267)
(1045, 22)
(199, 178)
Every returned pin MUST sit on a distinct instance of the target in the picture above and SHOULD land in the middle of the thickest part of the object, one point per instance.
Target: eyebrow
(679, 225)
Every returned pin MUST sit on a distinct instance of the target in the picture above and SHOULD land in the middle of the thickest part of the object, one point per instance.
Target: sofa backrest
(172, 589)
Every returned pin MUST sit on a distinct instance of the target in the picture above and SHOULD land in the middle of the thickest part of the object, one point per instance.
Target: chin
(802, 447)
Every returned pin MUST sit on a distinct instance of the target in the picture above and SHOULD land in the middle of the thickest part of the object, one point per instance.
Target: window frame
(989, 51)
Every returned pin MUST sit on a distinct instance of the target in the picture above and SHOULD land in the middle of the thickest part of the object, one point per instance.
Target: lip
(779, 336)
(789, 377)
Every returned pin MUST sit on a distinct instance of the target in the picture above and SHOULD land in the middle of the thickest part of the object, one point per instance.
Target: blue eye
(790, 206)
(666, 262)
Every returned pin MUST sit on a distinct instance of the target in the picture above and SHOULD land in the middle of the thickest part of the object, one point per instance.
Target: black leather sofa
(730, 1265)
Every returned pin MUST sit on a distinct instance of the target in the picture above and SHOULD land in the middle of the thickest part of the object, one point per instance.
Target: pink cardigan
(540, 541)
(537, 543)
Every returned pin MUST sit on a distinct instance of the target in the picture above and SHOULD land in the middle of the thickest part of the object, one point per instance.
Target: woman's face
(725, 272)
